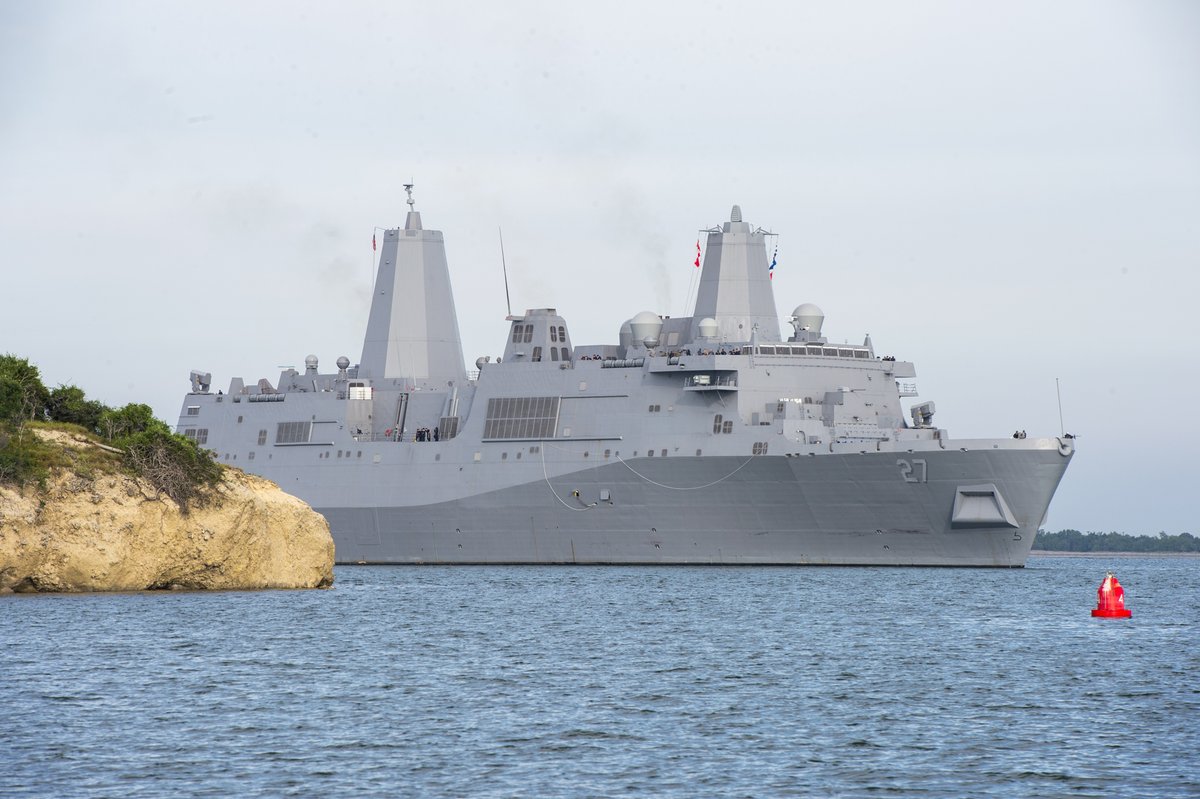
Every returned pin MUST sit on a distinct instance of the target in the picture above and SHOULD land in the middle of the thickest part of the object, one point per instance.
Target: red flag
(697, 253)
(372, 242)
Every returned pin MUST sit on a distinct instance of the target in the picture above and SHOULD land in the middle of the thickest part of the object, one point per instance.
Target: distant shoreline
(1057, 554)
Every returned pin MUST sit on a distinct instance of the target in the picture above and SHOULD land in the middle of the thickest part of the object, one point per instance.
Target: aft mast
(735, 284)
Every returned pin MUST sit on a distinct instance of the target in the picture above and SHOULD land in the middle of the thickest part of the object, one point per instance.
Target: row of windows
(522, 334)
(554, 353)
(200, 436)
(608, 453)
(558, 333)
(838, 352)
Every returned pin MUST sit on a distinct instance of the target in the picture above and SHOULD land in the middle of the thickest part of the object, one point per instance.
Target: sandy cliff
(111, 533)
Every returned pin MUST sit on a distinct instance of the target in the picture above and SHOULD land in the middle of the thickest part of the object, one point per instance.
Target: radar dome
(645, 328)
(807, 317)
(709, 328)
(343, 362)
(310, 363)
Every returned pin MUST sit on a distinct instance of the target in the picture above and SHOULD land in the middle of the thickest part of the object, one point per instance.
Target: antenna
(1062, 430)
(504, 266)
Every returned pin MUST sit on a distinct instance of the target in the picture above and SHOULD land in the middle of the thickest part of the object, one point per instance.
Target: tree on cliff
(118, 423)
(23, 396)
(68, 404)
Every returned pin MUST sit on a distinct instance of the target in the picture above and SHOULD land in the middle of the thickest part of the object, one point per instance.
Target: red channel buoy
(1110, 603)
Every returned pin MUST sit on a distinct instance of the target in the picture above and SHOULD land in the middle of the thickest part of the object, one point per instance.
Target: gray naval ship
(706, 439)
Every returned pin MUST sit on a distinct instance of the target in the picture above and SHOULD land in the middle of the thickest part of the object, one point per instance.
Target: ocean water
(599, 681)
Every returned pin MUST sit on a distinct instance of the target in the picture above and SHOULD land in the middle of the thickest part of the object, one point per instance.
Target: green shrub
(174, 465)
(118, 423)
(68, 404)
(22, 456)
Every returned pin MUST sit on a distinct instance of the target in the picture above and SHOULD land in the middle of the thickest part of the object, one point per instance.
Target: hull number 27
(913, 471)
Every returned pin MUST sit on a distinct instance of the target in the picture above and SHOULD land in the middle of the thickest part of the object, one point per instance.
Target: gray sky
(1005, 194)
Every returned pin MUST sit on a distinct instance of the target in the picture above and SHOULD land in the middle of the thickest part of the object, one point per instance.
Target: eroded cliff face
(112, 533)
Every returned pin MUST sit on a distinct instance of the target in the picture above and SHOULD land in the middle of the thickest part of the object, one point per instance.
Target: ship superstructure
(705, 439)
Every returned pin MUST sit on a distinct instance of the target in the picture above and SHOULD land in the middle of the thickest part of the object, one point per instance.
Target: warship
(709, 439)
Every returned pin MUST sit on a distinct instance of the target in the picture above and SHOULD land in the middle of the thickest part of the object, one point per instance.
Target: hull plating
(834, 509)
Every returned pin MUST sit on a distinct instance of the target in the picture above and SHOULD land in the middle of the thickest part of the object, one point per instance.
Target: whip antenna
(504, 266)
(1062, 430)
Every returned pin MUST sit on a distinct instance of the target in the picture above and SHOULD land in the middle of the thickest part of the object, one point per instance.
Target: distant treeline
(1075, 541)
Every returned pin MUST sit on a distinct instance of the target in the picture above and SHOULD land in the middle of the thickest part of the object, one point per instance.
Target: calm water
(593, 681)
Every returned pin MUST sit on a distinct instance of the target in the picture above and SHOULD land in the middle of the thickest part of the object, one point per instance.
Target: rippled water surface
(596, 681)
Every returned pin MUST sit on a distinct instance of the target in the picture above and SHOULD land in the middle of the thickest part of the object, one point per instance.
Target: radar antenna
(504, 266)
(408, 187)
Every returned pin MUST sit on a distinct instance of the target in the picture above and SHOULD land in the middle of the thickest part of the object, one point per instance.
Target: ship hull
(862, 508)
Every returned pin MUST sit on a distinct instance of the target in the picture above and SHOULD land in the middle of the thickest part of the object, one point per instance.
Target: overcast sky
(1003, 193)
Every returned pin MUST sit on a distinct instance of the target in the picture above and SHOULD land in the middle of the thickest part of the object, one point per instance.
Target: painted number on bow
(914, 472)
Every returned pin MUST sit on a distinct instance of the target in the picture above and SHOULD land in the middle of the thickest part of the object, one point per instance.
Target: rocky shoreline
(114, 532)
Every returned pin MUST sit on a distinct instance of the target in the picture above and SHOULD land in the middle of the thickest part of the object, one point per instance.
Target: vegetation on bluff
(131, 439)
